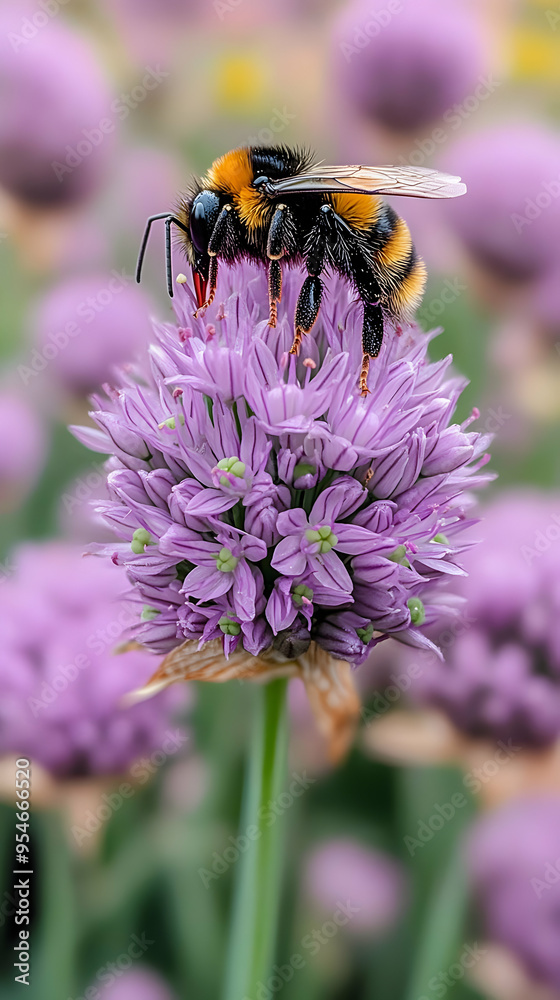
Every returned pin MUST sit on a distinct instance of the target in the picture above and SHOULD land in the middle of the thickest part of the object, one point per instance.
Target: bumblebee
(274, 205)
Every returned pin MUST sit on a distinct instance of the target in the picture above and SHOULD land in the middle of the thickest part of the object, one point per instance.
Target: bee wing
(414, 182)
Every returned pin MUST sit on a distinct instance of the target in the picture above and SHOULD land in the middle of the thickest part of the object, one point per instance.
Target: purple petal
(206, 584)
(288, 558)
(209, 503)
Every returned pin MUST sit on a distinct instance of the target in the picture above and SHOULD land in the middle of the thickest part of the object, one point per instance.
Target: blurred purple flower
(510, 218)
(374, 883)
(61, 617)
(405, 67)
(53, 91)
(514, 859)
(24, 447)
(137, 984)
(325, 558)
(501, 677)
(85, 326)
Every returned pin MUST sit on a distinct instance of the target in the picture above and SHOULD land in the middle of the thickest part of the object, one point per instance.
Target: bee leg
(309, 301)
(307, 309)
(222, 240)
(274, 290)
(372, 338)
(279, 242)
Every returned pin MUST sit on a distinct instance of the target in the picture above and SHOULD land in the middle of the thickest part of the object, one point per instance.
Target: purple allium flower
(371, 880)
(61, 684)
(137, 984)
(24, 447)
(261, 501)
(511, 219)
(514, 858)
(86, 325)
(404, 68)
(52, 92)
(501, 676)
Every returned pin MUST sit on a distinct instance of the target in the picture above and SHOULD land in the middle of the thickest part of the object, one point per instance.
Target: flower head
(510, 224)
(406, 69)
(374, 882)
(512, 857)
(85, 325)
(24, 446)
(262, 502)
(53, 95)
(62, 686)
(501, 675)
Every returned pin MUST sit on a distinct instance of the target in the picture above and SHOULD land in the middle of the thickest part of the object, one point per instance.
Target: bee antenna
(169, 220)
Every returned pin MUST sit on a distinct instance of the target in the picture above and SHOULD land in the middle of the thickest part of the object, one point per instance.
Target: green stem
(255, 909)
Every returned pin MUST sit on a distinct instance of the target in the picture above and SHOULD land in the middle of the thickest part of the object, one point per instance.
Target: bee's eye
(204, 212)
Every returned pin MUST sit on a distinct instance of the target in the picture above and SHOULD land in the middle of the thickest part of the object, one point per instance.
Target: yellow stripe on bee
(398, 246)
(360, 211)
(254, 209)
(407, 296)
(231, 172)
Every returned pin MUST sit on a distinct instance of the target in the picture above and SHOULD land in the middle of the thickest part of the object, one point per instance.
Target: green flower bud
(417, 611)
(140, 539)
(299, 592)
(442, 539)
(225, 561)
(148, 613)
(170, 422)
(228, 626)
(366, 634)
(304, 469)
(232, 465)
(324, 535)
(399, 556)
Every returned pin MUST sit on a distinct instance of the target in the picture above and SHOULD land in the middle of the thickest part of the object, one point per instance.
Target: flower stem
(255, 910)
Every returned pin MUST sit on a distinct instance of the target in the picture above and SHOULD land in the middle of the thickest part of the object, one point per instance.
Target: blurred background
(443, 827)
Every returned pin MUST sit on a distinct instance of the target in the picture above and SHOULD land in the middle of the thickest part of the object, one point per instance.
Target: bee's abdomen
(401, 271)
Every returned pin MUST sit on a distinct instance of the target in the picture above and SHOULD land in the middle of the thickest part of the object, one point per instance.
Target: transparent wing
(414, 182)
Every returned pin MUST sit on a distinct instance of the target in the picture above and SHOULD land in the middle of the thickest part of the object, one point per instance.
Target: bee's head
(202, 213)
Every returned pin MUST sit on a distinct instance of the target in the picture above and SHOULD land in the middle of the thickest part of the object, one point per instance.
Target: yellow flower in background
(240, 82)
(536, 51)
